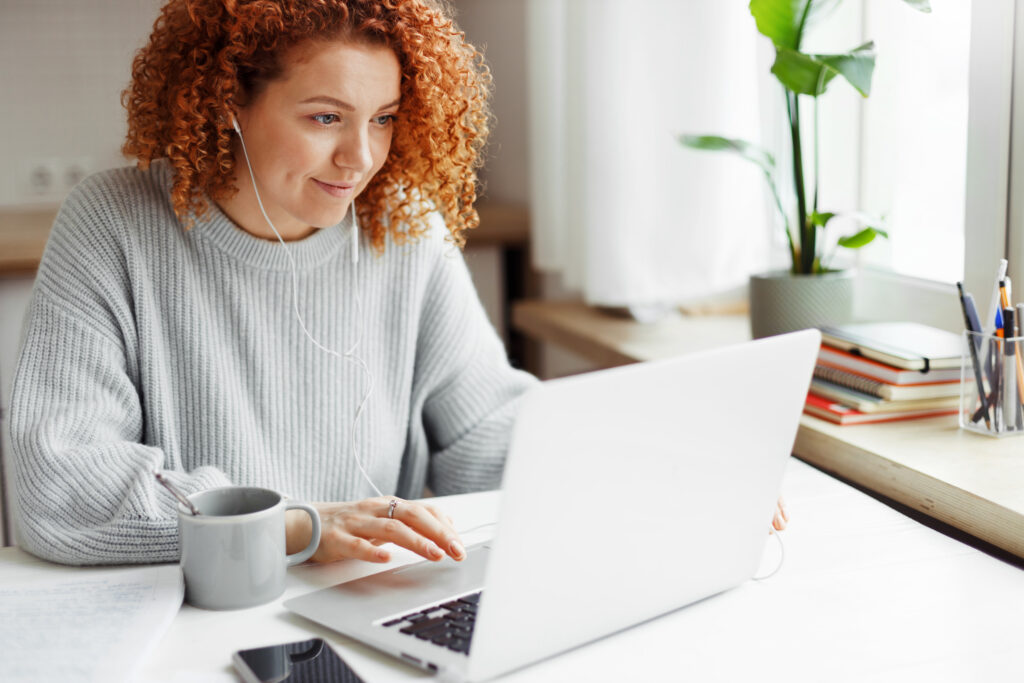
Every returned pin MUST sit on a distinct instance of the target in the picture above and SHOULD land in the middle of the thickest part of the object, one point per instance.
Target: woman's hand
(355, 530)
(780, 518)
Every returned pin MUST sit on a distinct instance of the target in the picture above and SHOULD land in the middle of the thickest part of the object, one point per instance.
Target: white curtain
(620, 210)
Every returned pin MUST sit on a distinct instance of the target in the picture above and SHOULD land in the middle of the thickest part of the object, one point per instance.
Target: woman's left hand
(781, 518)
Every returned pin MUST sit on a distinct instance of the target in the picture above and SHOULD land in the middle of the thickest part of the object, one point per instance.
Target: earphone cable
(349, 355)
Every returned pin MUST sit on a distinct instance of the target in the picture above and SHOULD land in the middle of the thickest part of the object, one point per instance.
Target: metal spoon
(176, 493)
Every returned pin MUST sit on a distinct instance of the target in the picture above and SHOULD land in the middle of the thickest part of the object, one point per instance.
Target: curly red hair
(207, 57)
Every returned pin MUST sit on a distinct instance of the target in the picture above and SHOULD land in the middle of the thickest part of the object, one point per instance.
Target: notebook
(845, 360)
(842, 414)
(628, 493)
(884, 390)
(907, 345)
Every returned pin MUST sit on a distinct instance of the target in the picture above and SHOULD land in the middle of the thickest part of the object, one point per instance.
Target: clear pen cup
(996, 367)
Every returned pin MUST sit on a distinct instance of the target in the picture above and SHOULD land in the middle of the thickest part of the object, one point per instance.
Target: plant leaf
(810, 74)
(920, 5)
(785, 21)
(861, 238)
(747, 150)
(856, 66)
(820, 219)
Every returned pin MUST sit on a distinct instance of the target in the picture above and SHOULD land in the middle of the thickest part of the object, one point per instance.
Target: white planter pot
(782, 302)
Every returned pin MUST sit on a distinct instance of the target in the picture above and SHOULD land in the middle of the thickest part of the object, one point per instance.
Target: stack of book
(881, 372)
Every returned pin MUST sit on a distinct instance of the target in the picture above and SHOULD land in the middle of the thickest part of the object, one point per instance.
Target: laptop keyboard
(449, 625)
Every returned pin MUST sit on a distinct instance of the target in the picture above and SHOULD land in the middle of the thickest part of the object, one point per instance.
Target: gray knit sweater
(151, 348)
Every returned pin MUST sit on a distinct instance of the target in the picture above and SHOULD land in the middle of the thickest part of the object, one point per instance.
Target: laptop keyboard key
(459, 645)
(449, 625)
(421, 626)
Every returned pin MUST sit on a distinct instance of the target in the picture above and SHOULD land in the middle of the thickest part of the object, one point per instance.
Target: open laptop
(628, 493)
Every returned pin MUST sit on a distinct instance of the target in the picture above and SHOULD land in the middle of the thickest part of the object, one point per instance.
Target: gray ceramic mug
(233, 551)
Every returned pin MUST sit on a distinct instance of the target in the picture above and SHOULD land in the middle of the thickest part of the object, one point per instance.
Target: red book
(845, 415)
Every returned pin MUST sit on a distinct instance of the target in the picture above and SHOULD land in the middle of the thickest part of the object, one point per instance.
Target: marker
(973, 339)
(1010, 402)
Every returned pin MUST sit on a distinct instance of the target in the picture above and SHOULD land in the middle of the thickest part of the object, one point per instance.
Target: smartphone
(306, 661)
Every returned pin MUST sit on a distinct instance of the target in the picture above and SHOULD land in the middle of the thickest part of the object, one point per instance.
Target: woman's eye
(325, 119)
(384, 119)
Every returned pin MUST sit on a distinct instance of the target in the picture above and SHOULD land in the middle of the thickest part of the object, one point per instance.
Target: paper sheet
(96, 626)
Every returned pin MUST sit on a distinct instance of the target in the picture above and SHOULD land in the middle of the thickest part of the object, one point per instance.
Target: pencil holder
(992, 385)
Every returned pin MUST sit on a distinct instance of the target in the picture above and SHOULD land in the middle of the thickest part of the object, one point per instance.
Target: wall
(66, 62)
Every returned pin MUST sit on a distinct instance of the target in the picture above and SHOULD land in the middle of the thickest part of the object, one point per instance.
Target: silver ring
(391, 508)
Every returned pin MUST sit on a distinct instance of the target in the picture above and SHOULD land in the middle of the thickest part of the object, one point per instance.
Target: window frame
(992, 223)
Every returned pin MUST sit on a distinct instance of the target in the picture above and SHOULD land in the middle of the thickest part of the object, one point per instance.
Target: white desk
(865, 594)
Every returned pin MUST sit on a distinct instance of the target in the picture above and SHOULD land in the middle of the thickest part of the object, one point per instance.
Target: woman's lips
(341, 191)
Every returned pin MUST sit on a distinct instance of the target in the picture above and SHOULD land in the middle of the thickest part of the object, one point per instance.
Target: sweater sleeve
(474, 393)
(84, 486)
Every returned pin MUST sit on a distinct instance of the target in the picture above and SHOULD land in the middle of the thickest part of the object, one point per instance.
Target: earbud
(234, 124)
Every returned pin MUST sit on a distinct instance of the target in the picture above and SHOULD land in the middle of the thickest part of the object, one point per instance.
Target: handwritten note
(95, 626)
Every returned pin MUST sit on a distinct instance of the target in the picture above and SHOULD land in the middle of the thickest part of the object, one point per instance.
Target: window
(914, 137)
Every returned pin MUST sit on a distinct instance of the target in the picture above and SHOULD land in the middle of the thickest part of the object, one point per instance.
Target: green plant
(801, 74)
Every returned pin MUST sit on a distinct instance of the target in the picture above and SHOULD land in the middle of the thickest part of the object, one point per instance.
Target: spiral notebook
(884, 390)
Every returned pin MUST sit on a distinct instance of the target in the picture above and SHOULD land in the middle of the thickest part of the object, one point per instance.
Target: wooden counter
(23, 234)
(972, 482)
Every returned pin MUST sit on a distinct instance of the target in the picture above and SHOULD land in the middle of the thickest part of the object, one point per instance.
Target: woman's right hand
(357, 529)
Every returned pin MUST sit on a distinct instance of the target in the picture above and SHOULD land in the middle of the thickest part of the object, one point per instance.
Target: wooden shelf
(972, 482)
(23, 235)
(501, 224)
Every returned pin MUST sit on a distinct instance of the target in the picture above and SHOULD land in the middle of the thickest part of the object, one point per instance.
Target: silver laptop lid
(632, 492)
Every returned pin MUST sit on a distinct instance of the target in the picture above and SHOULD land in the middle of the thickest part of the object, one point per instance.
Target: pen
(1020, 366)
(1010, 402)
(994, 303)
(973, 337)
(971, 314)
(992, 321)
(1010, 330)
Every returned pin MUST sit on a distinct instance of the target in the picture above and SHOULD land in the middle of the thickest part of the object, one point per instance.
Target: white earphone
(349, 355)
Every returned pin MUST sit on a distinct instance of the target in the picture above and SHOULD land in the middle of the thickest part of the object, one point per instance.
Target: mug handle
(314, 541)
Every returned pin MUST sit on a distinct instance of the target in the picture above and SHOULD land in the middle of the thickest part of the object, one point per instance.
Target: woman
(227, 313)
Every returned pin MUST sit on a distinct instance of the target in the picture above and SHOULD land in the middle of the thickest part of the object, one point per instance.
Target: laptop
(628, 493)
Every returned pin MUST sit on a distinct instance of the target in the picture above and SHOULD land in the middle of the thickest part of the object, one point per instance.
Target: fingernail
(382, 555)
(434, 551)
(456, 549)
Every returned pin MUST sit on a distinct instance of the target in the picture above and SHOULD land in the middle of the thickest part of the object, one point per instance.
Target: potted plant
(810, 293)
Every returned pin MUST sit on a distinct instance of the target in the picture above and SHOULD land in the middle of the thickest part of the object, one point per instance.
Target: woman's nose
(353, 152)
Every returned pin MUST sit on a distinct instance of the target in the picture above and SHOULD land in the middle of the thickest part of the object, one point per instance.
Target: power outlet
(49, 179)
(75, 171)
(43, 178)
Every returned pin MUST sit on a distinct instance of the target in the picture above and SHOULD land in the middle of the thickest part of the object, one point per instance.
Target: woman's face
(316, 136)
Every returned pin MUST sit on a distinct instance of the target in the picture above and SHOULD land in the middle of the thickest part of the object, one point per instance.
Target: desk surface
(975, 483)
(864, 593)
